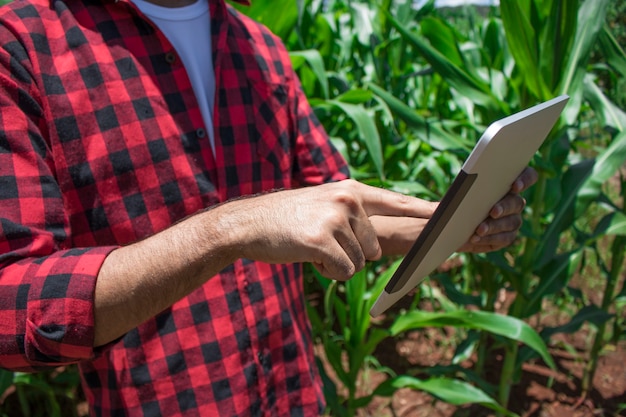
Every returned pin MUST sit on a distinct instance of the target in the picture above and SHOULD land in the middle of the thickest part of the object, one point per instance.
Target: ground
(541, 391)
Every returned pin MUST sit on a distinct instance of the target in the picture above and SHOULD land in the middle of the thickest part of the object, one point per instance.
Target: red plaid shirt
(101, 144)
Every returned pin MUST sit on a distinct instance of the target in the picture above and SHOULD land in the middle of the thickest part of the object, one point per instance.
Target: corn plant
(614, 224)
(343, 326)
(550, 42)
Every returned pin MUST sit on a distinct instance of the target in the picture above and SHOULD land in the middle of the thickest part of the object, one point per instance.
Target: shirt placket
(172, 59)
(259, 335)
(258, 350)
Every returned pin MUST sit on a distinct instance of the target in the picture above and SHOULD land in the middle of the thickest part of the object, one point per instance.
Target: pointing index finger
(378, 201)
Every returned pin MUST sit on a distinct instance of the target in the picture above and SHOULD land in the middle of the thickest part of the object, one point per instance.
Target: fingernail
(497, 211)
(475, 239)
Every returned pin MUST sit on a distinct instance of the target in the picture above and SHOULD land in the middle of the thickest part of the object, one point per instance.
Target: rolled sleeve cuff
(56, 302)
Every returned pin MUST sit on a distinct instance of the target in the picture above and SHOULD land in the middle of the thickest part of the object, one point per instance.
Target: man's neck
(172, 3)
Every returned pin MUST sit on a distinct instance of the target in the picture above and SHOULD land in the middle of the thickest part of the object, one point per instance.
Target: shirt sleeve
(318, 160)
(46, 285)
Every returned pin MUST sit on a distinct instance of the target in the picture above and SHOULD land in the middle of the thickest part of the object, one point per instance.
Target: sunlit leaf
(264, 11)
(590, 22)
(506, 326)
(452, 391)
(523, 40)
(367, 131)
(316, 62)
(441, 38)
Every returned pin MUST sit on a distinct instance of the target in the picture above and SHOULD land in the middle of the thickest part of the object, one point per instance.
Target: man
(139, 236)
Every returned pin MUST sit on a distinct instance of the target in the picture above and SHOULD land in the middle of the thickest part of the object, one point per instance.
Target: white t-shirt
(188, 28)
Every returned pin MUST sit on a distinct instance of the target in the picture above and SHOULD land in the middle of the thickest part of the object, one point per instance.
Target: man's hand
(337, 227)
(397, 235)
(500, 229)
(327, 225)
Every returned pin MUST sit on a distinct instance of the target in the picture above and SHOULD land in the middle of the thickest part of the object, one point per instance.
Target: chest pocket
(255, 134)
(272, 132)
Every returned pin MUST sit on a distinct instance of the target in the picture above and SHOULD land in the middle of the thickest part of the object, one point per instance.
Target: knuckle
(346, 198)
(315, 239)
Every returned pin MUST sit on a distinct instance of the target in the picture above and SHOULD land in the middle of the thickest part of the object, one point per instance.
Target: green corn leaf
(557, 37)
(358, 320)
(264, 11)
(363, 22)
(355, 96)
(492, 43)
(588, 314)
(564, 215)
(554, 276)
(6, 380)
(523, 40)
(361, 299)
(316, 62)
(379, 284)
(606, 165)
(442, 38)
(430, 132)
(591, 17)
(330, 389)
(452, 391)
(457, 77)
(608, 113)
(613, 224)
(612, 51)
(505, 326)
(412, 188)
(333, 352)
(591, 314)
(367, 131)
(454, 297)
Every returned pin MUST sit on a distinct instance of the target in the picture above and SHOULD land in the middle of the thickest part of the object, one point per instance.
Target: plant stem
(24, 404)
(617, 261)
(517, 309)
(530, 246)
(490, 288)
(506, 376)
(617, 251)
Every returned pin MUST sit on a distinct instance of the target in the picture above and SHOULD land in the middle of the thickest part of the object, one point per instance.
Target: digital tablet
(501, 154)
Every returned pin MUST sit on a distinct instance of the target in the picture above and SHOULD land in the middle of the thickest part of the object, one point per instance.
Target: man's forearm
(337, 227)
(139, 281)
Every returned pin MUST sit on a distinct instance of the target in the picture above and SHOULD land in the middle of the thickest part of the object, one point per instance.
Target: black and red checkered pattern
(102, 144)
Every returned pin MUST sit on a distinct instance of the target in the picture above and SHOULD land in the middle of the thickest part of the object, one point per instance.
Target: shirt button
(200, 132)
(170, 57)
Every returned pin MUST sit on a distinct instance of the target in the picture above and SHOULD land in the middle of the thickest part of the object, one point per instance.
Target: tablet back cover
(501, 154)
